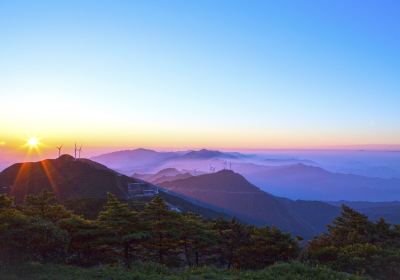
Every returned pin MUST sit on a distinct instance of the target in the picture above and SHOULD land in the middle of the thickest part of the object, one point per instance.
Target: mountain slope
(66, 177)
(233, 192)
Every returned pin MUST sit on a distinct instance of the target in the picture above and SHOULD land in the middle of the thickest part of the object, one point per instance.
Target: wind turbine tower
(79, 151)
(75, 150)
(59, 150)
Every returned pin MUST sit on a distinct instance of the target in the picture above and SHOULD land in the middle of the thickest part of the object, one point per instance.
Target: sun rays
(32, 145)
(32, 142)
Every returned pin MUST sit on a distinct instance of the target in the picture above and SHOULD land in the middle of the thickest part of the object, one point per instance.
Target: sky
(191, 74)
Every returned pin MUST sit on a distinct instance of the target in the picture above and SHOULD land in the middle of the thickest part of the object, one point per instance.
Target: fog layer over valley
(310, 175)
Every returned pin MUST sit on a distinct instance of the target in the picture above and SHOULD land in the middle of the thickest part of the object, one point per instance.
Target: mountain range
(295, 178)
(224, 193)
(77, 181)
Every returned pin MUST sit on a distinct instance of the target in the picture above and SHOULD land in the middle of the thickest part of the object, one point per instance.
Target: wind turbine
(79, 151)
(59, 150)
(75, 151)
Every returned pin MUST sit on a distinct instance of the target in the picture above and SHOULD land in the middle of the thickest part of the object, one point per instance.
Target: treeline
(43, 230)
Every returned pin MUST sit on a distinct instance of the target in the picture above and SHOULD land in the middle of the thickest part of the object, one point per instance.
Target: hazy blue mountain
(164, 175)
(209, 154)
(148, 161)
(288, 174)
(309, 182)
(139, 160)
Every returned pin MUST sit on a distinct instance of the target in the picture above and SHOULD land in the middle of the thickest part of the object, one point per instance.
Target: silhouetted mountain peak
(66, 176)
(65, 157)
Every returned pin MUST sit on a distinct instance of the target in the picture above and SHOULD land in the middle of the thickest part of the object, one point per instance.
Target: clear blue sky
(201, 73)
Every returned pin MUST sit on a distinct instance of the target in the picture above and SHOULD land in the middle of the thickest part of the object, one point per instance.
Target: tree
(45, 206)
(356, 245)
(87, 240)
(233, 237)
(197, 239)
(269, 245)
(13, 233)
(164, 228)
(45, 240)
(350, 227)
(123, 225)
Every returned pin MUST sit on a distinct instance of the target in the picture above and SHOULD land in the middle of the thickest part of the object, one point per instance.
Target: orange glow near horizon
(95, 142)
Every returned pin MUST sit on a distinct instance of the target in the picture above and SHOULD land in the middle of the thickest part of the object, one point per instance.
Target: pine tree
(87, 240)
(197, 239)
(13, 232)
(233, 237)
(356, 245)
(350, 227)
(123, 225)
(45, 206)
(33, 232)
(163, 225)
(269, 245)
(46, 242)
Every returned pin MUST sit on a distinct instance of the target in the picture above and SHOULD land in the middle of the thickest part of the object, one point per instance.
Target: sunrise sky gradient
(191, 74)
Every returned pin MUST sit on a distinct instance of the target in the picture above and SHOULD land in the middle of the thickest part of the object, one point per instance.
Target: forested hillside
(43, 231)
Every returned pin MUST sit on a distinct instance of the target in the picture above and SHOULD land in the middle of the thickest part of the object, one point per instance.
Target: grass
(283, 271)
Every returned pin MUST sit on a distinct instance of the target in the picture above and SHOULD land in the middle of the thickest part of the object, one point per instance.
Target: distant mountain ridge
(138, 160)
(311, 182)
(207, 154)
(164, 175)
(145, 160)
(295, 178)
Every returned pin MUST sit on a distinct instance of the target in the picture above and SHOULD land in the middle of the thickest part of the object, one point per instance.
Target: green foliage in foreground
(44, 232)
(357, 245)
(292, 271)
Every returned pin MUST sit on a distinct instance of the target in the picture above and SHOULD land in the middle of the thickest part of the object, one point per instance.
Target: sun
(32, 142)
